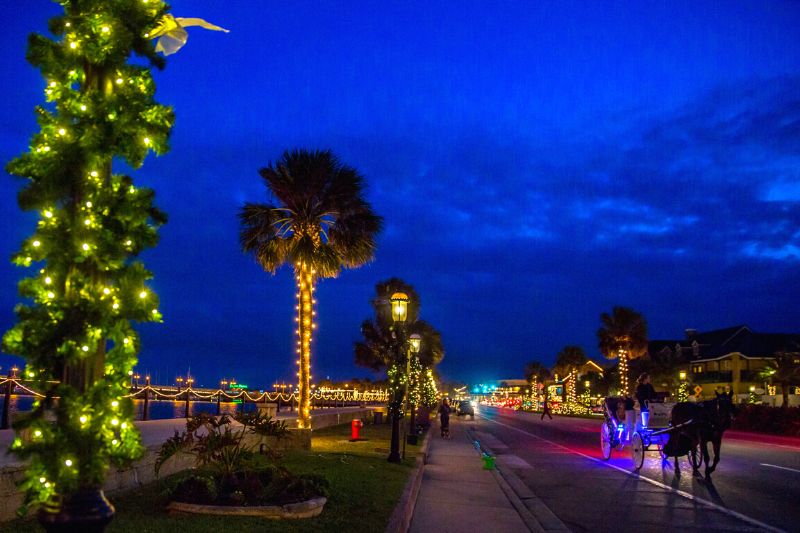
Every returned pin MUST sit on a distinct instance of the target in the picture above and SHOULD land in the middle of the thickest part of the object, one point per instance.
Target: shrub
(768, 419)
(196, 489)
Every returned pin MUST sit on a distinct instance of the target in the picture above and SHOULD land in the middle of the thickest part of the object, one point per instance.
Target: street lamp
(414, 344)
(399, 308)
(399, 302)
(682, 375)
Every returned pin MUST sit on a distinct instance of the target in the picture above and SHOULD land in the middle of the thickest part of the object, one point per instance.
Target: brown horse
(696, 425)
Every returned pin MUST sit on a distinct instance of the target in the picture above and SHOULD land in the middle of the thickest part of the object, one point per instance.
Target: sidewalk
(456, 493)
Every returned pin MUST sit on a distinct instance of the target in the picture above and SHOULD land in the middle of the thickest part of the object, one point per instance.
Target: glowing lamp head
(399, 301)
(682, 374)
(415, 342)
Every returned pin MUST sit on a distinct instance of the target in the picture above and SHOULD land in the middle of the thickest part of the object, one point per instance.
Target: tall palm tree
(622, 335)
(568, 361)
(536, 372)
(319, 223)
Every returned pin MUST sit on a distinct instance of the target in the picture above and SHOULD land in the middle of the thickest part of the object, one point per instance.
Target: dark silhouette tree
(536, 372)
(384, 347)
(784, 370)
(623, 336)
(318, 223)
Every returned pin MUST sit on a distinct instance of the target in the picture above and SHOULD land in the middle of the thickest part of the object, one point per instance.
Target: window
(726, 365)
(697, 369)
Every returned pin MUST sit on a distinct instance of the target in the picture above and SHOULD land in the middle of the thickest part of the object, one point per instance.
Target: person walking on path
(444, 418)
(546, 408)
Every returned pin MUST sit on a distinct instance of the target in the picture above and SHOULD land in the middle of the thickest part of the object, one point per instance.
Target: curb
(400, 520)
(536, 515)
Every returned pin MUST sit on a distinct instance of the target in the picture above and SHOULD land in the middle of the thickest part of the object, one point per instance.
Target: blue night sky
(535, 162)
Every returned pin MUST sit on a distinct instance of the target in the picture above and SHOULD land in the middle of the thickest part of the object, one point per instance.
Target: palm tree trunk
(623, 372)
(785, 394)
(304, 276)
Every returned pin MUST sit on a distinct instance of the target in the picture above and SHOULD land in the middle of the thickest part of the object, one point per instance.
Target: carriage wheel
(637, 451)
(605, 441)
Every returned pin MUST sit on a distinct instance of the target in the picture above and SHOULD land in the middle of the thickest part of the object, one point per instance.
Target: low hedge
(768, 419)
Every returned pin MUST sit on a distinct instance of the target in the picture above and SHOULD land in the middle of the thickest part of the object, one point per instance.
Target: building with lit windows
(726, 359)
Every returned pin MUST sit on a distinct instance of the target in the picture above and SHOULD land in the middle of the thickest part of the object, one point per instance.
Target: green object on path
(488, 462)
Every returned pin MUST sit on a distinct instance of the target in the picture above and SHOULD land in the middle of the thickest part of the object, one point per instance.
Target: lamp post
(399, 307)
(414, 344)
(683, 387)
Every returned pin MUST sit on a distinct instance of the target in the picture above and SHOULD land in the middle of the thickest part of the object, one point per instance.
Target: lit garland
(683, 391)
(586, 398)
(572, 397)
(752, 397)
(397, 383)
(304, 276)
(623, 371)
(74, 327)
(415, 382)
(429, 392)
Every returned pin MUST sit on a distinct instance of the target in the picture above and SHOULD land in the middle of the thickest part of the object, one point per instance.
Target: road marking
(691, 497)
(781, 467)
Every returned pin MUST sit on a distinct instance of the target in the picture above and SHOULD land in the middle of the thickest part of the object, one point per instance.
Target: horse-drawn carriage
(674, 430)
(617, 432)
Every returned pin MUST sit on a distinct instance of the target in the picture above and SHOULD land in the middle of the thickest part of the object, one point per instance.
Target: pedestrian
(645, 393)
(546, 406)
(444, 418)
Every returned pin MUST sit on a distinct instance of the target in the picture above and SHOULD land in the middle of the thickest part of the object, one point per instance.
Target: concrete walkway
(155, 432)
(456, 493)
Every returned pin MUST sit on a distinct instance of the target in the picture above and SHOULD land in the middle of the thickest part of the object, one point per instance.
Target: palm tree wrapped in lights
(319, 224)
(567, 362)
(622, 336)
(536, 372)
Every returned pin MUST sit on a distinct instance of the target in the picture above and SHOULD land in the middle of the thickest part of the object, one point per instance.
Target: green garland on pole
(74, 325)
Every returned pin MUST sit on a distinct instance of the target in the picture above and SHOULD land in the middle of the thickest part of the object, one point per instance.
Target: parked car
(464, 407)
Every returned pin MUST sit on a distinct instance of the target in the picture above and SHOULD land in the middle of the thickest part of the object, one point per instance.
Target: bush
(196, 489)
(268, 485)
(768, 419)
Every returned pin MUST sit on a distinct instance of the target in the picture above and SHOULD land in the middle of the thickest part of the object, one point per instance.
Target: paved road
(756, 486)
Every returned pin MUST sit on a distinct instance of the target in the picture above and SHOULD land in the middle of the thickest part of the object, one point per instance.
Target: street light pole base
(394, 458)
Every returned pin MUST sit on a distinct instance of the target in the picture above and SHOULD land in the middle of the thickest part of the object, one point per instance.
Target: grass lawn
(364, 489)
